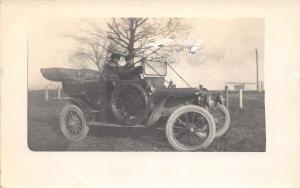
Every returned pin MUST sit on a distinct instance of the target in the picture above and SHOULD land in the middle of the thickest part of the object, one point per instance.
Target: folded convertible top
(62, 74)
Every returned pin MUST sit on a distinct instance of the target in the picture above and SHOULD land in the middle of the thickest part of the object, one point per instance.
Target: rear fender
(82, 104)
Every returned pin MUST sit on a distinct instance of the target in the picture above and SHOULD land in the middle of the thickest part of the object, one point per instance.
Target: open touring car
(191, 117)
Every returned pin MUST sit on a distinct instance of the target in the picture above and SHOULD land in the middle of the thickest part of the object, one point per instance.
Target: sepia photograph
(145, 94)
(146, 84)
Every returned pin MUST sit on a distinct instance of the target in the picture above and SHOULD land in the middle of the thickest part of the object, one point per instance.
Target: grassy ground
(246, 132)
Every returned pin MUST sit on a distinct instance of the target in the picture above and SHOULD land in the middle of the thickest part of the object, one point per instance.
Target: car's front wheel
(221, 117)
(190, 128)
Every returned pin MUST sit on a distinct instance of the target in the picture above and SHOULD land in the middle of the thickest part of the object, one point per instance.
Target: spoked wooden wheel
(72, 123)
(221, 118)
(130, 104)
(190, 128)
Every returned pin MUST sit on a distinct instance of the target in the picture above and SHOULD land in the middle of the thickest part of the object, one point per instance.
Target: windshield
(154, 68)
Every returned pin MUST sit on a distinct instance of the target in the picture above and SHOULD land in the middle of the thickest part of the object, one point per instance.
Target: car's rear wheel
(190, 128)
(72, 123)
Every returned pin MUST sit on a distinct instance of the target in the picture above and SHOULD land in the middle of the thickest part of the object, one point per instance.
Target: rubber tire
(177, 113)
(222, 131)
(118, 116)
(65, 130)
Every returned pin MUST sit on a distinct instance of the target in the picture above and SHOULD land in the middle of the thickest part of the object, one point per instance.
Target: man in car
(114, 70)
(110, 69)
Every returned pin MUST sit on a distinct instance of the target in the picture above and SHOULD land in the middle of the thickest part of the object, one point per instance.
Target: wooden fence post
(241, 98)
(58, 92)
(226, 97)
(46, 93)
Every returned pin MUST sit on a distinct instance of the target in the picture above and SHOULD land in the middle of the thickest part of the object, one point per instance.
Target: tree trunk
(131, 53)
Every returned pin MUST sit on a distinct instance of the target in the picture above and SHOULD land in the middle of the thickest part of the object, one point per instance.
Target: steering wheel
(126, 68)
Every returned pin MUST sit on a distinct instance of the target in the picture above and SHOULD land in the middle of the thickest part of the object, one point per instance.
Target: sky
(227, 53)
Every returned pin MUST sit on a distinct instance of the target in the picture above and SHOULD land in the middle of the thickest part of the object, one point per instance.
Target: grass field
(246, 132)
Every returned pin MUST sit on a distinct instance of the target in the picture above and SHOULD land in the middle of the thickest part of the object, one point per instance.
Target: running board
(113, 125)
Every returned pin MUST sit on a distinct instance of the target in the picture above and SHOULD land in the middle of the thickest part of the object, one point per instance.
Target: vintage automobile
(193, 117)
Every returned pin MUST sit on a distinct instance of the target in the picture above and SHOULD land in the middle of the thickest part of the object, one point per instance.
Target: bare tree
(92, 50)
(132, 38)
